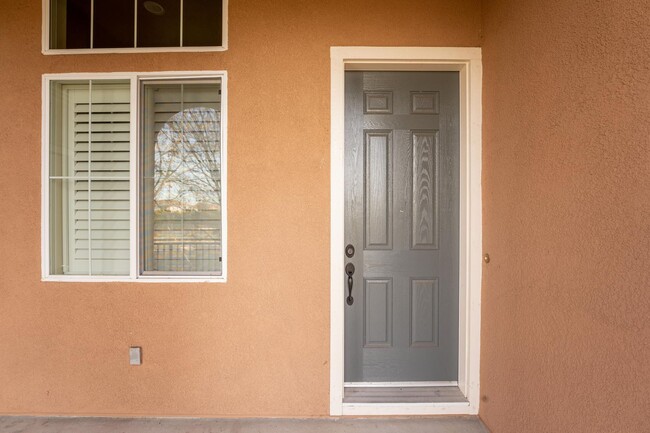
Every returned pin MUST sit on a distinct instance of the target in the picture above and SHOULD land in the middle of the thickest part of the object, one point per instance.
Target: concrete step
(439, 424)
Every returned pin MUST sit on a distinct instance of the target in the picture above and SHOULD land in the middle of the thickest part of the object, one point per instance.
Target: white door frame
(467, 61)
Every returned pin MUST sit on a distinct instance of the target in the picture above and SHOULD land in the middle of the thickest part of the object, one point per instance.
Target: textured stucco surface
(566, 184)
(258, 345)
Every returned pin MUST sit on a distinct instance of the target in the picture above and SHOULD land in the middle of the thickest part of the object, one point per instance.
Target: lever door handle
(349, 270)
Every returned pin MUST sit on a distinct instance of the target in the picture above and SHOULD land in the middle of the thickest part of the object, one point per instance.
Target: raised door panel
(378, 190)
(378, 311)
(424, 222)
(424, 312)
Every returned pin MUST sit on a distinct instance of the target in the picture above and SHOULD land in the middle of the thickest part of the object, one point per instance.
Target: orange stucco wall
(566, 184)
(258, 345)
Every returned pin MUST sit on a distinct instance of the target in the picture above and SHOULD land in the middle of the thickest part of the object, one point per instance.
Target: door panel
(378, 190)
(401, 215)
(424, 217)
(378, 300)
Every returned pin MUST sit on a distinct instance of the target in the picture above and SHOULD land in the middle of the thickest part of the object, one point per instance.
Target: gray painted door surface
(402, 217)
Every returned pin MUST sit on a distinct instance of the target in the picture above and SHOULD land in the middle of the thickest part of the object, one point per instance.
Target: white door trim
(467, 61)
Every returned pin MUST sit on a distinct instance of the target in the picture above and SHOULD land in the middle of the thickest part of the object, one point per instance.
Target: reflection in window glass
(181, 185)
(159, 23)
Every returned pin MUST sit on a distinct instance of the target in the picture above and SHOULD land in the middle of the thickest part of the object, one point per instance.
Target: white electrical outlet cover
(135, 355)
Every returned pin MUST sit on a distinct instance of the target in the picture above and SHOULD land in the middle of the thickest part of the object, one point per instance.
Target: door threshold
(403, 394)
(399, 384)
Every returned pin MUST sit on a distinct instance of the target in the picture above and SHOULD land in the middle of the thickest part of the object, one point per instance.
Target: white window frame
(135, 79)
(467, 62)
(50, 51)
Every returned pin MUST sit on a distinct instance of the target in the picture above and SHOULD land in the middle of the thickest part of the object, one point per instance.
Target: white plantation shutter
(97, 225)
(183, 200)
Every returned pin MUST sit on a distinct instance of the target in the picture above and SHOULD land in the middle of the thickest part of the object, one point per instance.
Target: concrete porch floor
(443, 424)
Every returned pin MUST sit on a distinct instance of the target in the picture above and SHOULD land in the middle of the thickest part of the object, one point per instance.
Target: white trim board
(134, 79)
(467, 61)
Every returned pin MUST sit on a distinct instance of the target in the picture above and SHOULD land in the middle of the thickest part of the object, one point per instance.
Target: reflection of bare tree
(188, 160)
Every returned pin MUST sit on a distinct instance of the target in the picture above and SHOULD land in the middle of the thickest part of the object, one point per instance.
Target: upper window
(114, 25)
(145, 206)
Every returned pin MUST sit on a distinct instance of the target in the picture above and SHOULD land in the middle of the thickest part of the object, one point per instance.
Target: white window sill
(56, 52)
(141, 279)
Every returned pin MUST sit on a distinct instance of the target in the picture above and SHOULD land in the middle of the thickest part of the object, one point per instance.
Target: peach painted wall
(566, 184)
(258, 345)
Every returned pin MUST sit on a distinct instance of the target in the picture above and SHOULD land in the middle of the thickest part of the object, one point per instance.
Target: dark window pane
(70, 24)
(113, 24)
(202, 23)
(159, 23)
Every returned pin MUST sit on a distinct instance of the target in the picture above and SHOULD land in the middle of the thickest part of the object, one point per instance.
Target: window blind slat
(112, 225)
(106, 137)
(105, 234)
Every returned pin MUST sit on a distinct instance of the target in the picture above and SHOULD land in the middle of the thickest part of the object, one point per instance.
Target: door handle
(349, 270)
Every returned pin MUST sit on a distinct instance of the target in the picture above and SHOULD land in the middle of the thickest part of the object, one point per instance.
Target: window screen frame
(46, 50)
(136, 81)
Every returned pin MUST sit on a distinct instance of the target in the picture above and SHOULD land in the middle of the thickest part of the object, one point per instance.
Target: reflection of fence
(203, 256)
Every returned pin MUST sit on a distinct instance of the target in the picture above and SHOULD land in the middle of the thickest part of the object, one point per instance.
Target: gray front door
(401, 217)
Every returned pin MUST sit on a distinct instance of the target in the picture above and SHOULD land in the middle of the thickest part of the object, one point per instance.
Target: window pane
(181, 188)
(69, 24)
(89, 178)
(201, 23)
(68, 102)
(113, 23)
(68, 229)
(159, 23)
